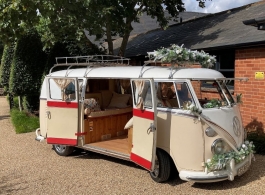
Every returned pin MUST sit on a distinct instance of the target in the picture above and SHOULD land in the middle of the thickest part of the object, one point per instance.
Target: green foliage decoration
(180, 55)
(5, 67)
(213, 103)
(219, 161)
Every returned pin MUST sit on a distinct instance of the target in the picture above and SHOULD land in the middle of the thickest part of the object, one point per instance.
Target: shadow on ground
(10, 185)
(4, 117)
(256, 172)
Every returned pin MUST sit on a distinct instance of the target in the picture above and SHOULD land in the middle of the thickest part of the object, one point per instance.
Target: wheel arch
(170, 155)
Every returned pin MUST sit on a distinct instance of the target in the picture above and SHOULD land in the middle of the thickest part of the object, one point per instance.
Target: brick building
(239, 49)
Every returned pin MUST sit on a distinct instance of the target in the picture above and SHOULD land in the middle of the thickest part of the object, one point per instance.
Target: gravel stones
(30, 167)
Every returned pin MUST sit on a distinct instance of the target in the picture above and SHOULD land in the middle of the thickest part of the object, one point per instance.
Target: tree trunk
(126, 37)
(108, 33)
(19, 103)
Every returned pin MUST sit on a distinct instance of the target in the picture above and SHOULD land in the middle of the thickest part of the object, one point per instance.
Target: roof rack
(90, 61)
(172, 68)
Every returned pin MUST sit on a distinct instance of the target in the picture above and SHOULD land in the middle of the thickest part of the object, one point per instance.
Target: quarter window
(62, 89)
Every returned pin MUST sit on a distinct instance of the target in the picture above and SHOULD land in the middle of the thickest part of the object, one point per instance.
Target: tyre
(63, 150)
(162, 169)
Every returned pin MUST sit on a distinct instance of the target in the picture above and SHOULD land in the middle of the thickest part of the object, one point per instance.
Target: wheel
(63, 150)
(162, 169)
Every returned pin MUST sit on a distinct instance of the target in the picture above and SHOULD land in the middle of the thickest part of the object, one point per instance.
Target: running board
(107, 152)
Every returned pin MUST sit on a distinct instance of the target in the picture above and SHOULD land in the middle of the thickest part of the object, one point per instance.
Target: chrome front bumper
(231, 171)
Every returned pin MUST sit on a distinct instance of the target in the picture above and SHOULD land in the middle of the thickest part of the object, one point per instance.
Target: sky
(213, 6)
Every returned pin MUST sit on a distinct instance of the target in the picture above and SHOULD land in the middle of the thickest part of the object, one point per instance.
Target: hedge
(27, 69)
(6, 61)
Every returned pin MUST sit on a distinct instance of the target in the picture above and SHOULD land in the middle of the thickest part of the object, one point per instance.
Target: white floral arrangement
(219, 161)
(178, 54)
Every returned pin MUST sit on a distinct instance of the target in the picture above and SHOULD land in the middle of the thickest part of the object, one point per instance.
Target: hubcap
(60, 148)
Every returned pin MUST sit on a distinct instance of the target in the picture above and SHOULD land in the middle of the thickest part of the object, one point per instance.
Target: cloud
(213, 6)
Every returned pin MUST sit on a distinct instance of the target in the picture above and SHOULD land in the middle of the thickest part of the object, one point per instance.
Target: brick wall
(247, 63)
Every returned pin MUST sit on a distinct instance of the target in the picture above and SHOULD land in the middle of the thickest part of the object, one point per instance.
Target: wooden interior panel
(106, 125)
(117, 144)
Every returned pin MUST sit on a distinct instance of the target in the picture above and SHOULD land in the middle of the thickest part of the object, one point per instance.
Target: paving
(29, 167)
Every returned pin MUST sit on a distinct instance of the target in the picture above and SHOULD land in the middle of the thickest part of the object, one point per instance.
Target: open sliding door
(62, 111)
(144, 123)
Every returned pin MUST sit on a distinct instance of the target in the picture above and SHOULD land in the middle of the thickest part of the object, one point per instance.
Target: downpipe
(38, 136)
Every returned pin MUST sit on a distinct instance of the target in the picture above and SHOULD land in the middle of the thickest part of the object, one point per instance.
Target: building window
(225, 62)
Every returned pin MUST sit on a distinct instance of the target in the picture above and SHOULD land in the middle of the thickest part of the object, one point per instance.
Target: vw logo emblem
(236, 126)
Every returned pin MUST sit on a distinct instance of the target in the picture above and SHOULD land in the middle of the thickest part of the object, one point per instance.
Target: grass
(24, 122)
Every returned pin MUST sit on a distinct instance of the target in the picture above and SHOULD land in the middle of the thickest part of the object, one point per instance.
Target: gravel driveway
(29, 167)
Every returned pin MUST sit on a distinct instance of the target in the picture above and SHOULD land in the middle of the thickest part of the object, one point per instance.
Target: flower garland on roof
(178, 54)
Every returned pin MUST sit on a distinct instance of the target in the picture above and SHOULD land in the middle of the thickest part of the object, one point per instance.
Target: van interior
(107, 109)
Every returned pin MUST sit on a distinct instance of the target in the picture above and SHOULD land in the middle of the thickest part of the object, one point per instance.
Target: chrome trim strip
(207, 178)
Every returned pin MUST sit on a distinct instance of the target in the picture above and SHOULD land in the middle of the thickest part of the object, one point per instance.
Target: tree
(57, 19)
(6, 61)
(27, 69)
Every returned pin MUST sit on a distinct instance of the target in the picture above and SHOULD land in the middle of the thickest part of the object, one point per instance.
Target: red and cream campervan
(151, 115)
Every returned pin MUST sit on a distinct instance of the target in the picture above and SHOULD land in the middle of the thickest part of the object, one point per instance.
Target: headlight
(210, 132)
(219, 146)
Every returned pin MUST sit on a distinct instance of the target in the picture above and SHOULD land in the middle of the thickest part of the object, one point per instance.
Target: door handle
(151, 128)
(48, 114)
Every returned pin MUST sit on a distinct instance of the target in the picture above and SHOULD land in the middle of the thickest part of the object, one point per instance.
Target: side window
(166, 95)
(62, 89)
(142, 94)
(184, 96)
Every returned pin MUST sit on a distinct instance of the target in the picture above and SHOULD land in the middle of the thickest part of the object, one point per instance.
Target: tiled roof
(146, 23)
(223, 29)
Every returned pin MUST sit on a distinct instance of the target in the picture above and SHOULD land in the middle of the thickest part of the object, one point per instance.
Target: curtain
(140, 84)
(62, 84)
(125, 84)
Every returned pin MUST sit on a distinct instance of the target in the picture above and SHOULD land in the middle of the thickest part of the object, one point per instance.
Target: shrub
(6, 61)
(27, 68)
(24, 122)
(259, 142)
(28, 105)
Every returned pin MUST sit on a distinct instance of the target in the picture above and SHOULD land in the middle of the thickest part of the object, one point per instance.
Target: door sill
(107, 152)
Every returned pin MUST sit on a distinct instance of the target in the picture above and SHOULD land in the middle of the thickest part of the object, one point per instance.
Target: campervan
(157, 117)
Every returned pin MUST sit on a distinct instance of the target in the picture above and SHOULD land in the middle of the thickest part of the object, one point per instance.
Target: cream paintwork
(223, 117)
(142, 141)
(63, 123)
(145, 130)
(43, 117)
(182, 137)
